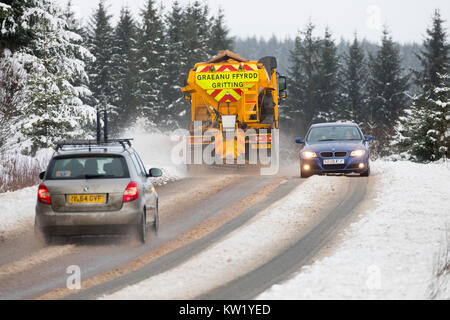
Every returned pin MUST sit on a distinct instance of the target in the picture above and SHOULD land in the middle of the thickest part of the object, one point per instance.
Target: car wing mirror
(368, 138)
(299, 140)
(42, 175)
(154, 173)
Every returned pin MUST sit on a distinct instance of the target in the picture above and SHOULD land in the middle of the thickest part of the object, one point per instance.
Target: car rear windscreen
(88, 167)
(331, 133)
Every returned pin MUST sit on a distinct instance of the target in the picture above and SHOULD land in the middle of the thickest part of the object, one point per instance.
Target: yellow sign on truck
(237, 100)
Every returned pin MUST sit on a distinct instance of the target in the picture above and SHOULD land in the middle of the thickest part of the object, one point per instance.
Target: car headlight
(309, 154)
(358, 153)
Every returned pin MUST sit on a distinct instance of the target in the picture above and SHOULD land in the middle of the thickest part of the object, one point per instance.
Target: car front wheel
(365, 173)
(304, 174)
(156, 221)
(142, 229)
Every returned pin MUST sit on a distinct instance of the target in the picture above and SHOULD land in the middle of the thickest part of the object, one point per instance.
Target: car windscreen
(333, 133)
(88, 167)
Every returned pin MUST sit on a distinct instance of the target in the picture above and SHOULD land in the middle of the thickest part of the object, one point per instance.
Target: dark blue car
(334, 148)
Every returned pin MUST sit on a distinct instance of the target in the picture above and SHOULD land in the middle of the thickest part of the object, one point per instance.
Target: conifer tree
(434, 57)
(354, 80)
(196, 34)
(125, 75)
(54, 60)
(219, 38)
(423, 131)
(328, 89)
(387, 89)
(303, 102)
(174, 76)
(150, 49)
(100, 42)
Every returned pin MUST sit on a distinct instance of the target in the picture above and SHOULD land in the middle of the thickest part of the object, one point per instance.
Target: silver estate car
(96, 188)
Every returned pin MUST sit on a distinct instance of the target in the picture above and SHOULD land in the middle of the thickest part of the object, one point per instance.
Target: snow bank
(390, 253)
(17, 210)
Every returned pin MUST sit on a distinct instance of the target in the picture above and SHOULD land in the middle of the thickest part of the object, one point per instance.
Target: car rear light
(44, 195)
(131, 192)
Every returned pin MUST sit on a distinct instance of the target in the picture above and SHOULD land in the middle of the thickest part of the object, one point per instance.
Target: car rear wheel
(40, 234)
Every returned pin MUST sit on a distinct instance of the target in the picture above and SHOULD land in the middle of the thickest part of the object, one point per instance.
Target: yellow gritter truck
(234, 104)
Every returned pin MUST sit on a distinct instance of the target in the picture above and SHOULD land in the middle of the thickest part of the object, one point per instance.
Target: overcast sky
(406, 19)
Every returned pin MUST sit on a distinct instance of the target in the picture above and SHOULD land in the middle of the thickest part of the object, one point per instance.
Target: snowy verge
(246, 248)
(17, 210)
(389, 253)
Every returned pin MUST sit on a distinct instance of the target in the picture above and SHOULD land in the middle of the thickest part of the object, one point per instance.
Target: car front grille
(326, 154)
(339, 154)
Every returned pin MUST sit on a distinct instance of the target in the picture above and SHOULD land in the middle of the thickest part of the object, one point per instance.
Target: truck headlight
(358, 153)
(309, 154)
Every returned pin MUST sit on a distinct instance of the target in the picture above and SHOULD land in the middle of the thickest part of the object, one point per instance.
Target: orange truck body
(230, 93)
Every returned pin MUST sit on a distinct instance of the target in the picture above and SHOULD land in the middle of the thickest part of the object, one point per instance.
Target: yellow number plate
(86, 198)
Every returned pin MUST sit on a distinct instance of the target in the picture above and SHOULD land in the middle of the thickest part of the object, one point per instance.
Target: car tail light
(131, 192)
(44, 195)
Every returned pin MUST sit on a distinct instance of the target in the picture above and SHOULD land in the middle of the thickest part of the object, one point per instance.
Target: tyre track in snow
(297, 255)
(177, 257)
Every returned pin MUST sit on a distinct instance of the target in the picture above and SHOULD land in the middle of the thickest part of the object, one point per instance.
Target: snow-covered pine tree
(328, 89)
(100, 41)
(73, 23)
(151, 50)
(387, 88)
(197, 32)
(422, 132)
(174, 67)
(303, 103)
(14, 32)
(353, 88)
(12, 94)
(53, 59)
(125, 73)
(434, 57)
(439, 106)
(219, 38)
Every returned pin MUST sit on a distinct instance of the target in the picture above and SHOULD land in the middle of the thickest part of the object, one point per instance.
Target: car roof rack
(125, 143)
